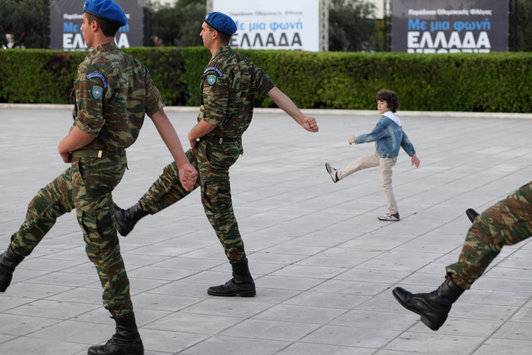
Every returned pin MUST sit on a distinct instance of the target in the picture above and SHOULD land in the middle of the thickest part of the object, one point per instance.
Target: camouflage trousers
(212, 160)
(507, 222)
(86, 186)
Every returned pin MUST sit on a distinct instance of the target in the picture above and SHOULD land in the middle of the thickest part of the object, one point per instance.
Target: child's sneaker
(332, 171)
(390, 217)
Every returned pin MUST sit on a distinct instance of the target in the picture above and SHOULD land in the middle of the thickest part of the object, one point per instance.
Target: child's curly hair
(390, 97)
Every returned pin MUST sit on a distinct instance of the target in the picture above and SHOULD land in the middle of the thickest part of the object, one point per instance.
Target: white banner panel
(273, 24)
(448, 26)
(66, 18)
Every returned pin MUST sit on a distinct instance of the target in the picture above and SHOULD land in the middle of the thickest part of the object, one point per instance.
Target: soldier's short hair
(390, 97)
(109, 28)
(224, 37)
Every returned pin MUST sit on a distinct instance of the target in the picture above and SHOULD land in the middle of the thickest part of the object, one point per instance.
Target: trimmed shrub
(491, 82)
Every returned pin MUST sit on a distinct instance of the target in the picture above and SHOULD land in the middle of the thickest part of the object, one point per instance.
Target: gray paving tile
(351, 336)
(194, 323)
(224, 345)
(504, 346)
(320, 349)
(273, 330)
(300, 314)
(30, 345)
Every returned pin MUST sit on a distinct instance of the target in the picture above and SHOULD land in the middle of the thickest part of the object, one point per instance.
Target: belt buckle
(221, 140)
(100, 153)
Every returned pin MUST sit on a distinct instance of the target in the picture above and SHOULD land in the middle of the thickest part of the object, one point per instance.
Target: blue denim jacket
(388, 137)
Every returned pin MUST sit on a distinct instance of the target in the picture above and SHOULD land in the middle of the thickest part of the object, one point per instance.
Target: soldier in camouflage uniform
(113, 92)
(229, 84)
(507, 222)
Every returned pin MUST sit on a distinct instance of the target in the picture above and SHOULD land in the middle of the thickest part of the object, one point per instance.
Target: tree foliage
(178, 24)
(352, 26)
(27, 20)
(521, 25)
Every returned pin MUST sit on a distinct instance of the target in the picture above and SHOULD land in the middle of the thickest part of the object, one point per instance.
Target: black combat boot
(126, 340)
(432, 307)
(8, 262)
(126, 219)
(471, 214)
(240, 285)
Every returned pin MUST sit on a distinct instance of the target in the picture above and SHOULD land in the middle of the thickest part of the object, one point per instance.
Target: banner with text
(273, 24)
(66, 18)
(448, 26)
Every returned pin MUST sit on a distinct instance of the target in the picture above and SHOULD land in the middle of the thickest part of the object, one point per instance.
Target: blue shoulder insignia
(214, 69)
(99, 76)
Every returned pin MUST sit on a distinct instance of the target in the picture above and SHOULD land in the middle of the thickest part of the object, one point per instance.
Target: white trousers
(371, 161)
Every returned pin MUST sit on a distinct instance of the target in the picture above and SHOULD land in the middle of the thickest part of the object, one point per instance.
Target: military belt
(220, 140)
(88, 153)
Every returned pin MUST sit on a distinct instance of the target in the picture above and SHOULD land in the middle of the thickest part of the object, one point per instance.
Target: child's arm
(407, 145)
(415, 161)
(377, 133)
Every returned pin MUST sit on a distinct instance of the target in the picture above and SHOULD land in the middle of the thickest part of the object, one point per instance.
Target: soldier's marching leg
(471, 214)
(164, 192)
(93, 183)
(126, 339)
(241, 284)
(216, 198)
(433, 307)
(48, 204)
(8, 261)
(126, 219)
(214, 162)
(507, 222)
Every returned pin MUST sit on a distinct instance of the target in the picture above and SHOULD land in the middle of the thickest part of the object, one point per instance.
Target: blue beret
(107, 9)
(221, 22)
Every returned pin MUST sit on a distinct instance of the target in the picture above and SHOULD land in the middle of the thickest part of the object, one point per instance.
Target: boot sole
(89, 352)
(424, 319)
(238, 293)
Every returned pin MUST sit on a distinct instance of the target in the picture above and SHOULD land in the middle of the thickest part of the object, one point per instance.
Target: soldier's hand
(188, 176)
(310, 124)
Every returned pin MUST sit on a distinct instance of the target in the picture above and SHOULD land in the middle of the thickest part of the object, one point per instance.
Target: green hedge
(492, 82)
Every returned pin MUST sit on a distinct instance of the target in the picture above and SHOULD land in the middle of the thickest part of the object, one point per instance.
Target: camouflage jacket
(228, 87)
(113, 91)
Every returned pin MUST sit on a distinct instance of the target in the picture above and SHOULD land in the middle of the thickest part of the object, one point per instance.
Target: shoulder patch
(99, 76)
(211, 79)
(97, 91)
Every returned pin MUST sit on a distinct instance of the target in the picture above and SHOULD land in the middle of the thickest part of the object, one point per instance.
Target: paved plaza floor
(324, 265)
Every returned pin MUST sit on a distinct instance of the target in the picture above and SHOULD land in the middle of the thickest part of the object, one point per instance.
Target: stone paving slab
(324, 265)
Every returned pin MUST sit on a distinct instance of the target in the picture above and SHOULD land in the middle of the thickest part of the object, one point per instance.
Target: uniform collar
(106, 47)
(222, 50)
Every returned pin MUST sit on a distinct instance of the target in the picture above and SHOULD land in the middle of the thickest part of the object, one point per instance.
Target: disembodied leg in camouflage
(214, 161)
(164, 192)
(505, 223)
(52, 201)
